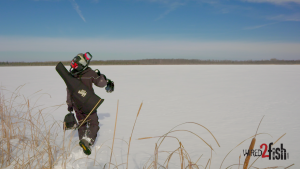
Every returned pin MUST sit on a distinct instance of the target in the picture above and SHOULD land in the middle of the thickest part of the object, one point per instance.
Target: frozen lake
(229, 100)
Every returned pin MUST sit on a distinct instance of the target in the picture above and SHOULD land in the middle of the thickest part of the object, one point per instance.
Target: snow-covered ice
(229, 100)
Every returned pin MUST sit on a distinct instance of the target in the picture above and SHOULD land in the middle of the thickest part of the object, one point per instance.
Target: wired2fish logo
(82, 92)
(270, 152)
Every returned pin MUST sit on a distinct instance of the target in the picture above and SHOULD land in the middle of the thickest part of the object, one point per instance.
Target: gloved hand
(110, 86)
(70, 108)
(98, 72)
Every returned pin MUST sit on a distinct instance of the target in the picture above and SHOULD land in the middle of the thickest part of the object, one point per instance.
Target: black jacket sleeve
(99, 81)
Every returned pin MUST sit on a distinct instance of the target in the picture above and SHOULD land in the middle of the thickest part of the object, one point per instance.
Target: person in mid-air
(80, 70)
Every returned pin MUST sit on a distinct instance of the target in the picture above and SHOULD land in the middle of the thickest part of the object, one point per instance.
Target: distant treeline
(160, 62)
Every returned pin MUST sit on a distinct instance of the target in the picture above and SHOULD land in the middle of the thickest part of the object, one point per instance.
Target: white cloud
(259, 26)
(173, 6)
(274, 1)
(159, 1)
(46, 0)
(294, 17)
(76, 7)
(142, 49)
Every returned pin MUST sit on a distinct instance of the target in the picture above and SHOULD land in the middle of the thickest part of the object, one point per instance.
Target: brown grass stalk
(155, 156)
(289, 166)
(112, 147)
(210, 158)
(132, 133)
(239, 161)
(189, 123)
(207, 163)
(249, 153)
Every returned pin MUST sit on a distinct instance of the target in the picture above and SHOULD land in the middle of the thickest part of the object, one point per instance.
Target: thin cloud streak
(259, 26)
(172, 7)
(294, 17)
(76, 7)
(274, 1)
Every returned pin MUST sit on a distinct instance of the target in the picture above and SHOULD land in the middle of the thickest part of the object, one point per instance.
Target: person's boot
(85, 145)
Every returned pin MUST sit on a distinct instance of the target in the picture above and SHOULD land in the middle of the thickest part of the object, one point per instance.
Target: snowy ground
(229, 100)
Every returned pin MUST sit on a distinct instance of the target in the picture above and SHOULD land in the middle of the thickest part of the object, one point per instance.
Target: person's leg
(93, 127)
(82, 130)
(87, 132)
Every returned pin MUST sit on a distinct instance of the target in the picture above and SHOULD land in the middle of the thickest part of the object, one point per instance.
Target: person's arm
(99, 79)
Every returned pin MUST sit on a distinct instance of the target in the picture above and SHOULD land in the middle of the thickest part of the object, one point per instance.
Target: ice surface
(229, 100)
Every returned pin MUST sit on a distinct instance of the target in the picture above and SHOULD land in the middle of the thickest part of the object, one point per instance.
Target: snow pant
(90, 127)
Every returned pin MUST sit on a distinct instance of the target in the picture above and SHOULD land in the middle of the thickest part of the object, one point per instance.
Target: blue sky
(52, 30)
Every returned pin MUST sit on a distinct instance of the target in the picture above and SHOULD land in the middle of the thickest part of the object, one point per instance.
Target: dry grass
(29, 141)
(114, 135)
(26, 139)
(185, 159)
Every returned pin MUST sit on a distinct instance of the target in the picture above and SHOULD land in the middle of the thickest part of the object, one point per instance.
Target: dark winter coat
(87, 77)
